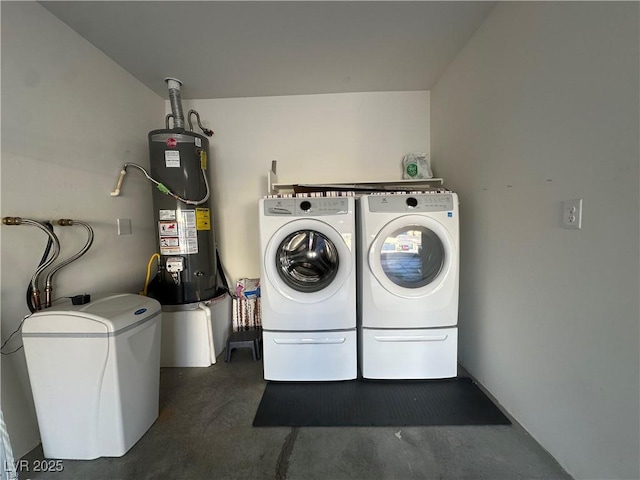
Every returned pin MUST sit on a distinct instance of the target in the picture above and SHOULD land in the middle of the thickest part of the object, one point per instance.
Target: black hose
(47, 250)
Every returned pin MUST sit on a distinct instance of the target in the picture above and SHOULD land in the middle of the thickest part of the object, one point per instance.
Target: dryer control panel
(306, 207)
(396, 203)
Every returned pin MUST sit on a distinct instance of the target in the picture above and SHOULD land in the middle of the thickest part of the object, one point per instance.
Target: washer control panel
(306, 207)
(427, 202)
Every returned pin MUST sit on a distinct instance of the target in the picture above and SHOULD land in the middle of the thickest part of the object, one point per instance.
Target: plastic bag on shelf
(416, 166)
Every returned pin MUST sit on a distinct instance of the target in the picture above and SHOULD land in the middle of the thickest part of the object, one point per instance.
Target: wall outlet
(572, 213)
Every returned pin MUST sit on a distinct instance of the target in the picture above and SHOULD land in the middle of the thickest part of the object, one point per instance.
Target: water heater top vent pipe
(176, 101)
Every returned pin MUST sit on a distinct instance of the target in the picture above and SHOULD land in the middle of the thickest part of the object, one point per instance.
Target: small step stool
(244, 339)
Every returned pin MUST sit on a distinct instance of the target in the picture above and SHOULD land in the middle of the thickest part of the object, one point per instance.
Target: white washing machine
(408, 266)
(308, 288)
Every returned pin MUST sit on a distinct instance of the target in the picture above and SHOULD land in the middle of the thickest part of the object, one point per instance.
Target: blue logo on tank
(449, 214)
(140, 312)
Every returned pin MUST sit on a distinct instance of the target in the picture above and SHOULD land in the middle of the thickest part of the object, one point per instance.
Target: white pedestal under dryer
(408, 295)
(308, 288)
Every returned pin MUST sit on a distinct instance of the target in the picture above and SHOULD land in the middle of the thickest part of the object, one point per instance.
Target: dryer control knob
(306, 205)
(412, 202)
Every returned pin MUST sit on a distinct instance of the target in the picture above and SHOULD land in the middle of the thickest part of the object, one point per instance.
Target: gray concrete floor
(204, 432)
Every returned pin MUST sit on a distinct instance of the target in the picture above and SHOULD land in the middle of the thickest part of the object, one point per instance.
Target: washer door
(411, 256)
(308, 260)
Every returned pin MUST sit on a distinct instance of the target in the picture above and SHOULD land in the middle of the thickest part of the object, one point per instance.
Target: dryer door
(308, 260)
(411, 256)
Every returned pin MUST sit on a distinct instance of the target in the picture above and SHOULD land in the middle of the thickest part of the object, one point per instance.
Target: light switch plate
(124, 226)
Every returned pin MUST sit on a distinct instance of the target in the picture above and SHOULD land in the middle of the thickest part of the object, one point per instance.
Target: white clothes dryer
(308, 288)
(408, 267)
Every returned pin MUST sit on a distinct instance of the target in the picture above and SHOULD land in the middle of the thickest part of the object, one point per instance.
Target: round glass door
(307, 261)
(412, 256)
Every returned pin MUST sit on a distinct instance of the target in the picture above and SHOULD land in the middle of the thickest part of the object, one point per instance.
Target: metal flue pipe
(176, 101)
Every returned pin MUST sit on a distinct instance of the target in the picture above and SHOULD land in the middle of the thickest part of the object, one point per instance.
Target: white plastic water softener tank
(95, 374)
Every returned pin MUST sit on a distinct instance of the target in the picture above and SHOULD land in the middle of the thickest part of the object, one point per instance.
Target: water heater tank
(185, 231)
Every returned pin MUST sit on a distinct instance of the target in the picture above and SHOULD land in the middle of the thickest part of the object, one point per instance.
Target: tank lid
(103, 316)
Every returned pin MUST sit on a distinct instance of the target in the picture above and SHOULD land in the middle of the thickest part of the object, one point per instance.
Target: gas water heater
(178, 158)
(188, 265)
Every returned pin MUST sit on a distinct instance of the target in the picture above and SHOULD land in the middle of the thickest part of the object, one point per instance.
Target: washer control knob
(305, 206)
(412, 202)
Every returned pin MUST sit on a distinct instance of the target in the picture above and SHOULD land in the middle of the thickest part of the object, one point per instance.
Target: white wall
(70, 119)
(542, 106)
(314, 138)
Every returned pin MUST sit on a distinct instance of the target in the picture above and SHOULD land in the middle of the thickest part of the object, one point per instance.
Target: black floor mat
(361, 403)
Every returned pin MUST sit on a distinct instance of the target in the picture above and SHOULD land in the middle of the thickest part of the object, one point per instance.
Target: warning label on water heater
(178, 234)
(167, 214)
(172, 158)
(203, 219)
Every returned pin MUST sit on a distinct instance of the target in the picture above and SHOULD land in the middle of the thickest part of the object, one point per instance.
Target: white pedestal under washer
(308, 288)
(408, 263)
